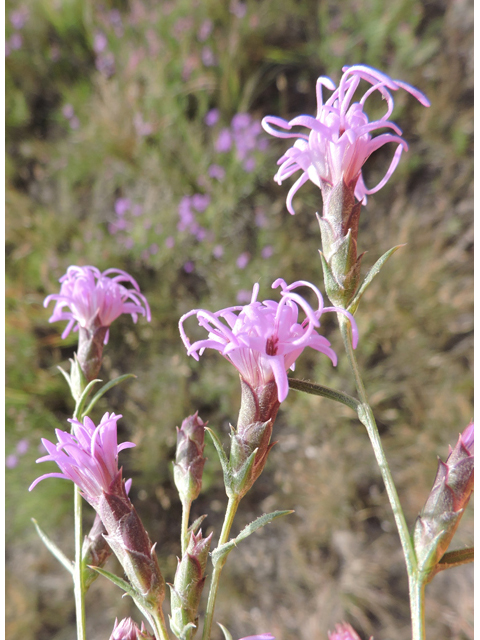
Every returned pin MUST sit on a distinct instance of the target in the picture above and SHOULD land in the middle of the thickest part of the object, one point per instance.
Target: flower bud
(127, 629)
(131, 544)
(187, 588)
(189, 460)
(446, 503)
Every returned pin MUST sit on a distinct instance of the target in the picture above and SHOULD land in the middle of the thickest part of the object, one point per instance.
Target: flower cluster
(340, 139)
(88, 457)
(243, 136)
(96, 299)
(264, 340)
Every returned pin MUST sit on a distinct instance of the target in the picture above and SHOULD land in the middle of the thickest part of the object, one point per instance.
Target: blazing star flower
(88, 457)
(265, 338)
(95, 299)
(340, 139)
(127, 629)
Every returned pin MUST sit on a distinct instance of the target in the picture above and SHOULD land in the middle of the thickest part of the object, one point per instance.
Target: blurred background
(133, 141)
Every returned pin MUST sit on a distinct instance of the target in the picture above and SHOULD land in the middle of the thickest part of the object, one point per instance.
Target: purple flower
(122, 205)
(189, 267)
(343, 631)
(68, 111)
(212, 117)
(218, 251)
(16, 41)
(22, 446)
(126, 629)
(224, 141)
(95, 299)
(208, 57)
(88, 456)
(11, 461)
(216, 171)
(99, 42)
(265, 338)
(170, 242)
(205, 30)
(261, 636)
(19, 17)
(242, 260)
(200, 201)
(467, 438)
(267, 252)
(340, 139)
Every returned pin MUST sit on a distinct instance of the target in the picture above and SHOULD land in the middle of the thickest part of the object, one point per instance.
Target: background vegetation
(111, 140)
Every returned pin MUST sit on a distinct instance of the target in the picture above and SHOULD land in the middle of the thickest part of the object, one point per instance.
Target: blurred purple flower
(105, 63)
(19, 17)
(189, 267)
(11, 461)
(22, 446)
(240, 121)
(170, 242)
(122, 205)
(218, 251)
(128, 242)
(265, 338)
(74, 123)
(200, 201)
(238, 9)
(212, 117)
(340, 140)
(15, 42)
(68, 111)
(137, 210)
(95, 299)
(153, 249)
(261, 636)
(205, 30)
(88, 456)
(216, 171)
(100, 42)
(242, 260)
(224, 141)
(208, 57)
(141, 127)
(249, 165)
(267, 252)
(260, 218)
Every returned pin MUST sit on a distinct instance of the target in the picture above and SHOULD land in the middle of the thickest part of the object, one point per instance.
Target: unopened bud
(187, 588)
(95, 551)
(90, 350)
(446, 503)
(131, 544)
(189, 460)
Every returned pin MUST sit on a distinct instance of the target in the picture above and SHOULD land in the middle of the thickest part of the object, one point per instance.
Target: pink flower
(340, 139)
(127, 629)
(88, 456)
(344, 631)
(260, 636)
(265, 338)
(467, 438)
(94, 299)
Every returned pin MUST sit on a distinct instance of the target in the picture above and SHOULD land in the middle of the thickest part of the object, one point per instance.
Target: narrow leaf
(319, 390)
(221, 454)
(123, 584)
(104, 389)
(455, 558)
(83, 398)
(196, 524)
(226, 632)
(223, 550)
(54, 550)
(65, 375)
(353, 306)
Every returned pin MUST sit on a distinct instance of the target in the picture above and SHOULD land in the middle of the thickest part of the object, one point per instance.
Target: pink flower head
(88, 456)
(95, 299)
(343, 631)
(265, 338)
(127, 629)
(260, 636)
(340, 140)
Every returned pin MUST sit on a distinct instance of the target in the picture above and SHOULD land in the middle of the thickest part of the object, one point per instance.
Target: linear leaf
(54, 550)
(320, 390)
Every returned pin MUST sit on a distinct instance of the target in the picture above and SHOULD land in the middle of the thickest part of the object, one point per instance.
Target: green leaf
(54, 550)
(196, 524)
(319, 390)
(223, 550)
(104, 389)
(83, 398)
(227, 474)
(353, 306)
(455, 558)
(226, 632)
(119, 582)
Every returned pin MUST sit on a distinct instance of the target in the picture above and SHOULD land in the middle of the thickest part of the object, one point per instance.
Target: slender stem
(185, 517)
(367, 418)
(159, 625)
(78, 576)
(417, 606)
(212, 596)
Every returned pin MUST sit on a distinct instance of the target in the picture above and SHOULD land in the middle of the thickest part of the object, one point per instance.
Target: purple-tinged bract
(264, 339)
(340, 139)
(90, 299)
(88, 456)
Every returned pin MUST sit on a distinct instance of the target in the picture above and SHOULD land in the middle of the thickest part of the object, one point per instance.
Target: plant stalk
(212, 596)
(185, 517)
(416, 588)
(78, 575)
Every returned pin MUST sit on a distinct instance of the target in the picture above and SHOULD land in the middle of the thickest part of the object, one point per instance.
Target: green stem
(159, 625)
(366, 416)
(417, 606)
(185, 517)
(212, 596)
(78, 575)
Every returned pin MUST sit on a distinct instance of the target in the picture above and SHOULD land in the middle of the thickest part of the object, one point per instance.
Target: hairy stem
(185, 517)
(212, 596)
